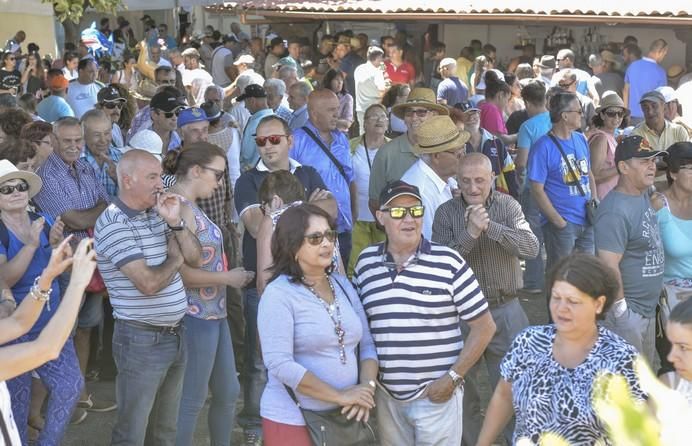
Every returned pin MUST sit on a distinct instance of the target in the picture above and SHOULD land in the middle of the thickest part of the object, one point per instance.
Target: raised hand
(168, 207)
(56, 232)
(477, 219)
(83, 263)
(35, 233)
(60, 260)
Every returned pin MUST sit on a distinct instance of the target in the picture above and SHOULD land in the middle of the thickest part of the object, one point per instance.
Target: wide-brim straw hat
(9, 171)
(439, 134)
(610, 99)
(420, 97)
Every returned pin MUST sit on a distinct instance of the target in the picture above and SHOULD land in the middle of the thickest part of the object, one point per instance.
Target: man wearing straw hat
(440, 146)
(395, 157)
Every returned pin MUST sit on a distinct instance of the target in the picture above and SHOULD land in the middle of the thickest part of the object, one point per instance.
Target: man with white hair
(452, 90)
(276, 93)
(288, 74)
(298, 101)
(565, 61)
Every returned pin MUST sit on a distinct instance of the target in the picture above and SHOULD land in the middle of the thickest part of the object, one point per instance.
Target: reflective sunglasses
(613, 114)
(19, 187)
(317, 238)
(169, 115)
(217, 173)
(112, 105)
(273, 140)
(398, 213)
(421, 112)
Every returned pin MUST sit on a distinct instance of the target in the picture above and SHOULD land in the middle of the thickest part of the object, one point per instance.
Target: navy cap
(466, 106)
(397, 189)
(109, 94)
(252, 91)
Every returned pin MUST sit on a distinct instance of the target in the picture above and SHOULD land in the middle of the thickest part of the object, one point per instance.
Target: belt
(164, 329)
(494, 302)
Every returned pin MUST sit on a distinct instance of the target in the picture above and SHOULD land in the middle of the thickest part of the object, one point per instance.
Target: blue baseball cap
(191, 115)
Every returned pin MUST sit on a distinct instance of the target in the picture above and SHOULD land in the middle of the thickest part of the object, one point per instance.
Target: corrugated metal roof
(670, 8)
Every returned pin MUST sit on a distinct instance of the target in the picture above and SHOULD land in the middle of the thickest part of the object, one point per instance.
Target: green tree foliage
(73, 10)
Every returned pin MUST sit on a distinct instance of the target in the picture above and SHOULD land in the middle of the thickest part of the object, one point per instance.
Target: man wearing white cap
(147, 140)
(671, 111)
(451, 90)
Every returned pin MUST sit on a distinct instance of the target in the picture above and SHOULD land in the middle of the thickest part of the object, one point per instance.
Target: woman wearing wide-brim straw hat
(440, 146)
(611, 114)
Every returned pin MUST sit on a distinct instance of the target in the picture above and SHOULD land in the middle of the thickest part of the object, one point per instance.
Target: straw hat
(439, 134)
(9, 171)
(420, 97)
(610, 99)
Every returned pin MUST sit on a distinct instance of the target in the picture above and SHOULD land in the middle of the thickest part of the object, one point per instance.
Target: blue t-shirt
(532, 129)
(547, 167)
(452, 90)
(20, 290)
(643, 75)
(53, 108)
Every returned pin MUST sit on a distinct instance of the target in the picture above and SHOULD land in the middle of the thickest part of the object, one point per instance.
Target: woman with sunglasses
(199, 168)
(10, 77)
(610, 116)
(26, 242)
(311, 323)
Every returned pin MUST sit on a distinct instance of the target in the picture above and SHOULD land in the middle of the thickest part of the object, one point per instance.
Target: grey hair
(67, 121)
(93, 115)
(303, 88)
(285, 71)
(215, 88)
(276, 87)
(559, 104)
(595, 60)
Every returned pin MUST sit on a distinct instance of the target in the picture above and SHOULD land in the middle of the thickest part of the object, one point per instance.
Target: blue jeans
(151, 366)
(534, 274)
(210, 366)
(63, 380)
(255, 376)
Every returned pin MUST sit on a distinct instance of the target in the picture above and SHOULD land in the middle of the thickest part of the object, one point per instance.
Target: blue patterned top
(208, 302)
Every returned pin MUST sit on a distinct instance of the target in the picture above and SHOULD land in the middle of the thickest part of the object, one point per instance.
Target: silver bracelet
(41, 295)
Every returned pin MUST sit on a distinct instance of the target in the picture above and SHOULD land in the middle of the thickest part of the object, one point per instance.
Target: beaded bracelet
(41, 295)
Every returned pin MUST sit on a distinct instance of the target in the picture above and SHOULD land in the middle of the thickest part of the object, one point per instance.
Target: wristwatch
(180, 226)
(457, 379)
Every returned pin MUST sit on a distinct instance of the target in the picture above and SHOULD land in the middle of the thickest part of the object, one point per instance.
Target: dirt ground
(96, 429)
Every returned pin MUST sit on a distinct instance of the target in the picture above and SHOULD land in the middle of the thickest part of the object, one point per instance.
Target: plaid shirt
(101, 171)
(66, 188)
(141, 121)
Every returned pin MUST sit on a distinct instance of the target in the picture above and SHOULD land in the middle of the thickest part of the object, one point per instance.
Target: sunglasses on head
(19, 187)
(614, 113)
(170, 114)
(318, 237)
(273, 140)
(112, 105)
(421, 112)
(397, 213)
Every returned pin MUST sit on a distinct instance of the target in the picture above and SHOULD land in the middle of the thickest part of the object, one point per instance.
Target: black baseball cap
(678, 152)
(252, 91)
(466, 106)
(166, 102)
(635, 146)
(109, 94)
(397, 189)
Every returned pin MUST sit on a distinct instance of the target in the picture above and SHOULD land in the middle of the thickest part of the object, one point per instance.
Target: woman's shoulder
(613, 347)
(535, 338)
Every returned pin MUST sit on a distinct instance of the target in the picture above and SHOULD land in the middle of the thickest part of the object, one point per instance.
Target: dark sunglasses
(613, 114)
(217, 173)
(317, 238)
(397, 213)
(273, 140)
(112, 105)
(19, 187)
(169, 115)
(421, 113)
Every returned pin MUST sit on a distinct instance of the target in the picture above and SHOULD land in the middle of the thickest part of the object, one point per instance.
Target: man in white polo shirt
(415, 294)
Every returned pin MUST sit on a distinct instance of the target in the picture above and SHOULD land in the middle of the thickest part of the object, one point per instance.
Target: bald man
(141, 243)
(320, 145)
(489, 230)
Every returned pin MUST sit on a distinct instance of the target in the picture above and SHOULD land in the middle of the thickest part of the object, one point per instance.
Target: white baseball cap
(668, 93)
(148, 141)
(246, 59)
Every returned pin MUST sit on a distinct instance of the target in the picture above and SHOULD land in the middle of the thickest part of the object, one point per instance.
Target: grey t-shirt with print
(627, 225)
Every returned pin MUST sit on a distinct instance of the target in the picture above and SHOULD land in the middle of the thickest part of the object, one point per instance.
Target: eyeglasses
(112, 105)
(376, 118)
(217, 173)
(613, 113)
(169, 115)
(19, 187)
(565, 84)
(580, 111)
(273, 140)
(399, 213)
(420, 112)
(317, 238)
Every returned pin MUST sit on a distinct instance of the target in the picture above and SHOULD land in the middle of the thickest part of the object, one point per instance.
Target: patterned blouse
(208, 302)
(551, 398)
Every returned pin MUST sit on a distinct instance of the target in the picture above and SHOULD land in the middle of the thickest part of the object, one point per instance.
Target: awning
(637, 11)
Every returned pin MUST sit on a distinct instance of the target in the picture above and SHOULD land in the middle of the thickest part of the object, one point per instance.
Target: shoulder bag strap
(327, 152)
(569, 165)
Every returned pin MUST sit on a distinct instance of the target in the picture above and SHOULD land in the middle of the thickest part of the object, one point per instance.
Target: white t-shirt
(198, 80)
(370, 85)
(82, 98)
(69, 75)
(361, 173)
(221, 58)
(8, 417)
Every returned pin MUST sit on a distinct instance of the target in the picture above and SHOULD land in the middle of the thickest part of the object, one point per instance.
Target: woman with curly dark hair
(11, 122)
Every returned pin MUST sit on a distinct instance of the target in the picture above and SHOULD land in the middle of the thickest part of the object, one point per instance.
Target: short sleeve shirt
(452, 90)
(642, 76)
(82, 98)
(492, 119)
(403, 74)
(10, 79)
(390, 164)
(52, 108)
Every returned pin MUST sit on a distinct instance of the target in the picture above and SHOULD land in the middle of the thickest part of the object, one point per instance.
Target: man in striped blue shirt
(415, 294)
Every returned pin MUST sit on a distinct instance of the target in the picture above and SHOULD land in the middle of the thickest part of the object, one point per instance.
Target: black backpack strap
(327, 152)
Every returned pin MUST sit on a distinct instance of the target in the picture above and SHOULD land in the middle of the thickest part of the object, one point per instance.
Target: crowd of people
(341, 229)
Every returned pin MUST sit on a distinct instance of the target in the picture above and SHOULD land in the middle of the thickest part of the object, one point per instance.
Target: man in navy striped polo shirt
(141, 242)
(415, 294)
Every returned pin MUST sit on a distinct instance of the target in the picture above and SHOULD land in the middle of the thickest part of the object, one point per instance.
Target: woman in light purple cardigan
(312, 330)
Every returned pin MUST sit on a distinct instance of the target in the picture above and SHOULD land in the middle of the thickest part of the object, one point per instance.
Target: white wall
(456, 36)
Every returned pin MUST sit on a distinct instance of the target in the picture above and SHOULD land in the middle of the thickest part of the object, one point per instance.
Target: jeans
(255, 376)
(210, 367)
(345, 246)
(151, 366)
(63, 380)
(510, 319)
(534, 274)
(419, 422)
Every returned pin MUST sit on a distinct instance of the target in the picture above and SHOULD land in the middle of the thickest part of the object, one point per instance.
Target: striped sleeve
(468, 296)
(115, 241)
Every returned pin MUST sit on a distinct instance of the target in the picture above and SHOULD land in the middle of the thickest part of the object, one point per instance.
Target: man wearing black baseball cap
(111, 102)
(627, 238)
(165, 108)
(256, 103)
